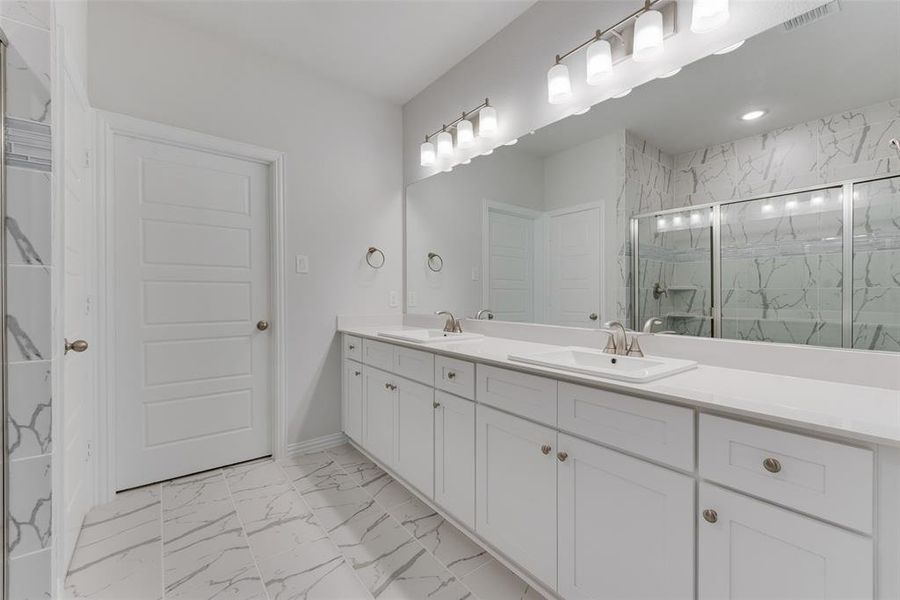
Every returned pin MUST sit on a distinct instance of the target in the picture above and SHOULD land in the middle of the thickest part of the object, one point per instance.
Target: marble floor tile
(312, 571)
(449, 545)
(493, 580)
(326, 525)
(119, 550)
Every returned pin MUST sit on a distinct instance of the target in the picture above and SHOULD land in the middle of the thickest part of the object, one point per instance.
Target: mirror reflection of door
(509, 263)
(573, 265)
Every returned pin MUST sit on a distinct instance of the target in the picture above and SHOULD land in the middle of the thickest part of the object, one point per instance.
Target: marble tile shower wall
(28, 228)
(796, 297)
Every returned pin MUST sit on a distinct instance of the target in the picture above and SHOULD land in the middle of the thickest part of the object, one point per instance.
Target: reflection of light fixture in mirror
(599, 62)
(767, 208)
(426, 153)
(753, 115)
(487, 121)
(559, 88)
(488, 152)
(695, 217)
(465, 134)
(648, 36)
(622, 94)
(467, 161)
(444, 144)
(670, 73)
(817, 200)
(582, 111)
(512, 142)
(676, 220)
(730, 48)
(790, 204)
(660, 223)
(707, 15)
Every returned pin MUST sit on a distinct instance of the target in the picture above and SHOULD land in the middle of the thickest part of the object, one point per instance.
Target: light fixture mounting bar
(454, 122)
(600, 33)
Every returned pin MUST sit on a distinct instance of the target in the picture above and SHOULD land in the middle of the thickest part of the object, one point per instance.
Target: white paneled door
(509, 264)
(574, 267)
(192, 366)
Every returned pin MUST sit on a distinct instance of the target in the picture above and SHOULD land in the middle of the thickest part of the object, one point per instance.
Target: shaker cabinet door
(414, 446)
(378, 420)
(454, 456)
(352, 405)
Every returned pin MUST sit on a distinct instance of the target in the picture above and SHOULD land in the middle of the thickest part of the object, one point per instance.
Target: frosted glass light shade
(487, 121)
(707, 15)
(444, 144)
(465, 134)
(599, 61)
(559, 88)
(426, 154)
(648, 36)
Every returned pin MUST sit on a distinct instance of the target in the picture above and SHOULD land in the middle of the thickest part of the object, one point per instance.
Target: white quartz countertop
(856, 412)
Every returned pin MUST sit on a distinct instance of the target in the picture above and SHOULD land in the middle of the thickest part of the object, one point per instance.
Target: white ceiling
(392, 49)
(845, 60)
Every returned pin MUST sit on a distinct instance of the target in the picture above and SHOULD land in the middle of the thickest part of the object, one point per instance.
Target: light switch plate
(394, 300)
(302, 264)
(412, 299)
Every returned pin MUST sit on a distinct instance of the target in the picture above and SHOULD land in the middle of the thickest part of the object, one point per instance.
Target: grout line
(327, 533)
(394, 519)
(262, 581)
(162, 544)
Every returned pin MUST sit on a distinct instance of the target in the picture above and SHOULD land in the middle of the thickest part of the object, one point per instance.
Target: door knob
(593, 316)
(710, 515)
(262, 325)
(546, 448)
(77, 346)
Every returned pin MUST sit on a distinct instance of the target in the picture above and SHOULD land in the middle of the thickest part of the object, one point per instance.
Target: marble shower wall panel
(28, 229)
(855, 143)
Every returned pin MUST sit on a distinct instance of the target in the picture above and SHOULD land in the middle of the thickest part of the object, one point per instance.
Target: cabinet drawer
(414, 364)
(661, 432)
(352, 347)
(822, 478)
(378, 354)
(526, 395)
(455, 376)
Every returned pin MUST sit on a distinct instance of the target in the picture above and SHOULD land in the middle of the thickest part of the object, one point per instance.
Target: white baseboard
(315, 444)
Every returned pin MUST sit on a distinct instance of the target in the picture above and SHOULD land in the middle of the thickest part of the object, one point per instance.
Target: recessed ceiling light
(730, 48)
(670, 73)
(753, 115)
(623, 94)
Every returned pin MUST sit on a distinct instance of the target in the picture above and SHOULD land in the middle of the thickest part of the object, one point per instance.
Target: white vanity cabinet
(454, 456)
(414, 437)
(626, 527)
(751, 549)
(516, 490)
(379, 428)
(352, 400)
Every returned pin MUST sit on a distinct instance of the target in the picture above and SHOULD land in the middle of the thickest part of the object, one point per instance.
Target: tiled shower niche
(777, 268)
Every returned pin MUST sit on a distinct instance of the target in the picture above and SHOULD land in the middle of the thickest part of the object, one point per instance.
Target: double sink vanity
(603, 476)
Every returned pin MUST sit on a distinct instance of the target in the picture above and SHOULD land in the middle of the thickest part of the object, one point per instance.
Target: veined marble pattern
(324, 525)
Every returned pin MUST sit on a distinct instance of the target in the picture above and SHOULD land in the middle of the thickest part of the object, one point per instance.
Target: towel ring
(375, 257)
(435, 262)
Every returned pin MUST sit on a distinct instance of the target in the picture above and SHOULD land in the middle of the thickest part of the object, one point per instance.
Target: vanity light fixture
(465, 134)
(708, 15)
(559, 88)
(599, 61)
(753, 115)
(648, 35)
(730, 48)
(623, 93)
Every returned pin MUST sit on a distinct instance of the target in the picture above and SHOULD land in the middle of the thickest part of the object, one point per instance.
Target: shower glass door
(876, 265)
(674, 271)
(782, 268)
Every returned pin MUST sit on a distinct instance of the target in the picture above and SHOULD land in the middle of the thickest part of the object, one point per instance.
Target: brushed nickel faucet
(485, 311)
(618, 339)
(452, 325)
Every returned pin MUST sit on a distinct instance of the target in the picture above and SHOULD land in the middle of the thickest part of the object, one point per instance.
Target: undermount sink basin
(595, 362)
(427, 336)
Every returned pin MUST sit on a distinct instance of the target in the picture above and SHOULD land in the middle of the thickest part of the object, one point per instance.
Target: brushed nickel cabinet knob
(562, 456)
(772, 465)
(357, 373)
(593, 316)
(351, 347)
(262, 325)
(710, 515)
(76, 346)
(451, 374)
(436, 404)
(546, 448)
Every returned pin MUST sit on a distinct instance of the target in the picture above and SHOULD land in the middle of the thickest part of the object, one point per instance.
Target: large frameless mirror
(753, 195)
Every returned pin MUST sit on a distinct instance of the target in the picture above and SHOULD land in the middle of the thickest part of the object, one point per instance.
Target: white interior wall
(342, 174)
(584, 174)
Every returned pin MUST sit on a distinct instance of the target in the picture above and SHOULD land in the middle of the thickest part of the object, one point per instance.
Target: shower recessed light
(816, 200)
(623, 93)
(753, 115)
(695, 218)
(676, 220)
(766, 208)
(790, 204)
(730, 48)
(670, 73)
(660, 223)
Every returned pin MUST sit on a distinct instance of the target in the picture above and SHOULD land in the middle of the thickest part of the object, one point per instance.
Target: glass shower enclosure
(817, 266)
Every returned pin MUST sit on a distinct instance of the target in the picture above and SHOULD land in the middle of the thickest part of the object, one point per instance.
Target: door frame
(545, 245)
(110, 125)
(537, 267)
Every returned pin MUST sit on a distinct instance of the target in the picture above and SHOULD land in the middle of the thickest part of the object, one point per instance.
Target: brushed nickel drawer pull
(772, 465)
(710, 515)
(390, 386)
(546, 448)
